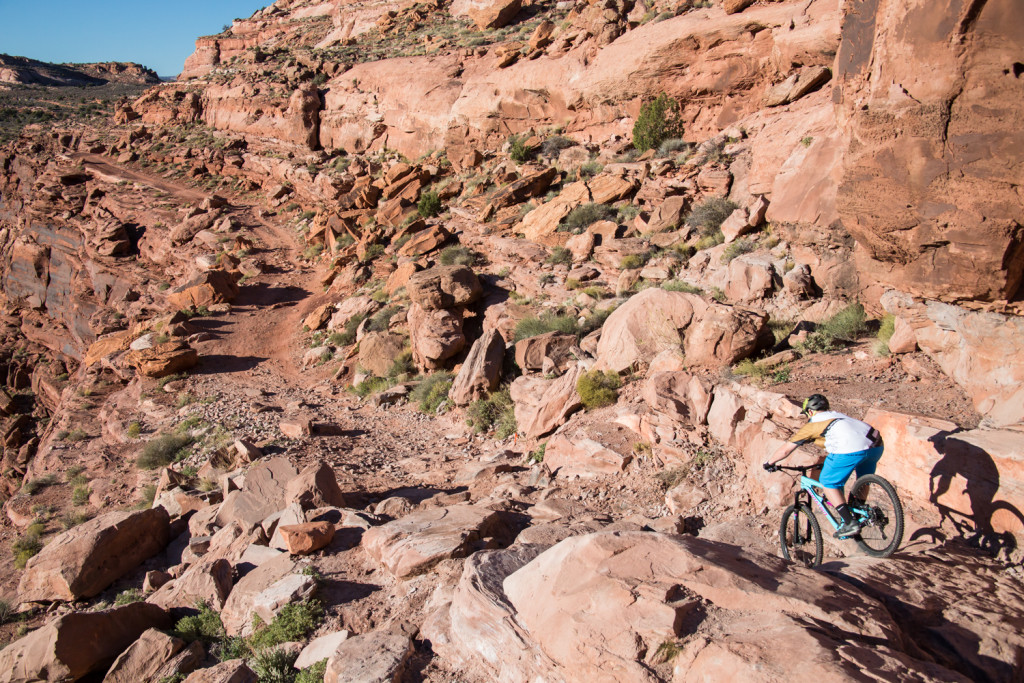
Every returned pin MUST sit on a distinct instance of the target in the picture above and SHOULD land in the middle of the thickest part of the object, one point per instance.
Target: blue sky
(157, 33)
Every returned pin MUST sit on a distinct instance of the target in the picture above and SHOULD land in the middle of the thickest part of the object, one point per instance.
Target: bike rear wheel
(800, 535)
(875, 504)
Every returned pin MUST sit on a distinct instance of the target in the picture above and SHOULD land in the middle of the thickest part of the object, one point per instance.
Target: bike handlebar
(803, 469)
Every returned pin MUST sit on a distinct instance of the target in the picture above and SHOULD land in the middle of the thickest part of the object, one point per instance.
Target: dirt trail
(111, 172)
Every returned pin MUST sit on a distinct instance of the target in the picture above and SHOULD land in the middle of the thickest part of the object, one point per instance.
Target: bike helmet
(814, 402)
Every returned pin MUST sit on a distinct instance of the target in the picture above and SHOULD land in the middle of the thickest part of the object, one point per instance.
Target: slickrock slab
(414, 544)
(371, 658)
(320, 648)
(543, 405)
(238, 609)
(76, 644)
(84, 560)
(570, 455)
(292, 588)
(207, 582)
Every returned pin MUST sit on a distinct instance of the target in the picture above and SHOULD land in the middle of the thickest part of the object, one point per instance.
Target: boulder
(435, 336)
(161, 360)
(303, 539)
(412, 545)
(262, 493)
(518, 191)
(751, 278)
(581, 246)
(669, 214)
(84, 560)
(654, 320)
(76, 644)
(541, 405)
(551, 347)
(318, 317)
(377, 657)
(425, 241)
(735, 225)
(314, 487)
(238, 609)
(680, 396)
(797, 85)
(481, 370)
(903, 339)
(400, 277)
(378, 351)
(351, 308)
(575, 455)
(232, 671)
(320, 649)
(734, 6)
(208, 582)
(146, 658)
(287, 590)
(982, 352)
(444, 287)
(206, 289)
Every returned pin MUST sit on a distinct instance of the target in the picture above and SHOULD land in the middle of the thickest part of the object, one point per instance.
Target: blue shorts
(839, 466)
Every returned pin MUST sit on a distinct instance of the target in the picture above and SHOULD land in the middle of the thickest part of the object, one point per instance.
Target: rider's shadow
(963, 487)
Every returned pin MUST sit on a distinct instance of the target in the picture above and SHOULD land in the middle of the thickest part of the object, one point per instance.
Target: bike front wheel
(875, 504)
(800, 535)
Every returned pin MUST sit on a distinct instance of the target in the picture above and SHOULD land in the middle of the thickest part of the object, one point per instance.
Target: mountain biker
(850, 444)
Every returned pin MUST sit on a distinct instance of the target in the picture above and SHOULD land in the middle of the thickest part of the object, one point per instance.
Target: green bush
(274, 666)
(313, 674)
(680, 286)
(429, 204)
(590, 169)
(381, 320)
(294, 622)
(33, 486)
(372, 252)
(127, 597)
(708, 241)
(598, 389)
(80, 495)
(205, 626)
(626, 213)
(845, 326)
(497, 410)
(709, 215)
(537, 455)
(26, 547)
(348, 336)
(673, 146)
(546, 322)
(517, 149)
(402, 365)
(585, 215)
(885, 331)
(559, 255)
(633, 261)
(7, 611)
(658, 121)
(594, 321)
(162, 451)
(457, 255)
(432, 392)
(555, 144)
(134, 430)
(370, 386)
(736, 248)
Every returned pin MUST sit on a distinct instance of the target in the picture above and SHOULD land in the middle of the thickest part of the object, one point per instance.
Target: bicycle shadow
(963, 488)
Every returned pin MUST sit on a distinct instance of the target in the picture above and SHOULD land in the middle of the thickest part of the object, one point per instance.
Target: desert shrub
(546, 322)
(736, 248)
(205, 626)
(680, 286)
(598, 389)
(559, 255)
(457, 255)
(33, 486)
(497, 411)
(134, 430)
(381, 320)
(312, 251)
(432, 393)
(596, 292)
(71, 519)
(372, 252)
(781, 329)
(517, 149)
(885, 331)
(148, 496)
(590, 169)
(585, 215)
(626, 213)
(80, 495)
(763, 375)
(594, 322)
(274, 666)
(555, 144)
(844, 326)
(709, 215)
(26, 547)
(127, 597)
(294, 622)
(403, 365)
(708, 241)
(162, 451)
(369, 386)
(537, 455)
(633, 261)
(672, 146)
(348, 335)
(312, 674)
(429, 204)
(658, 121)
(7, 611)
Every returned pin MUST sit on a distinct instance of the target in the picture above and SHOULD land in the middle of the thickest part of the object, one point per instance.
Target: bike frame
(807, 486)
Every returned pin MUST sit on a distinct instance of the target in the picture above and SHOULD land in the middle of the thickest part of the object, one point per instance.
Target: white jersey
(836, 433)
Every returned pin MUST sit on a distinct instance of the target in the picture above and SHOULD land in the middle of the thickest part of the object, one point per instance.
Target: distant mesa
(25, 71)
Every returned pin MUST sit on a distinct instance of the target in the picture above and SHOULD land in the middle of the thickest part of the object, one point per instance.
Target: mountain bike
(872, 500)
